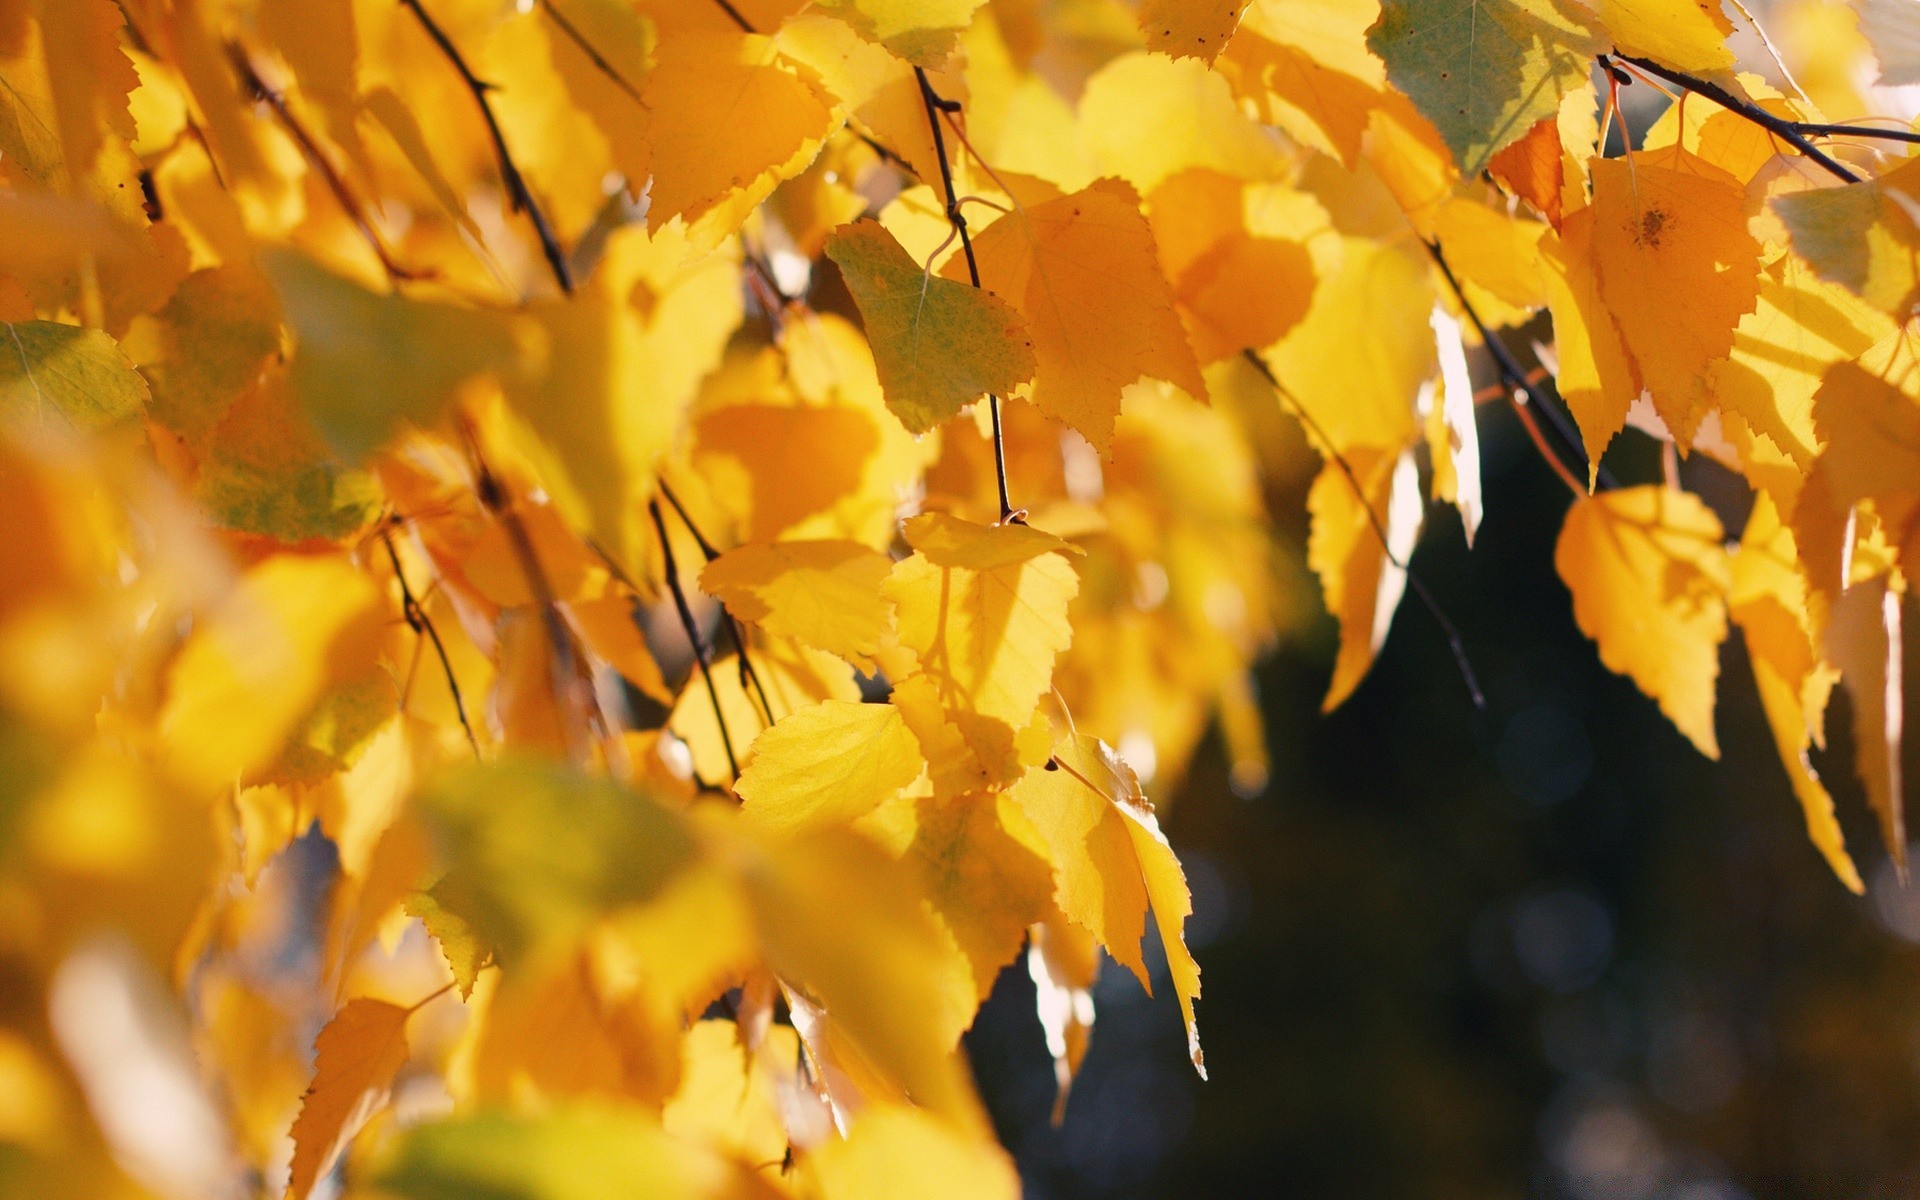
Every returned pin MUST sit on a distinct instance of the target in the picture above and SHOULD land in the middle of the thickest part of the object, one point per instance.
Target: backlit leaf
(1649, 578)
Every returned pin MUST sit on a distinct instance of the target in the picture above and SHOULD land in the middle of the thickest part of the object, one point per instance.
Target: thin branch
(518, 194)
(1790, 132)
(422, 626)
(733, 14)
(256, 89)
(1447, 628)
(935, 106)
(586, 47)
(1820, 129)
(692, 630)
(748, 675)
(566, 675)
(1527, 396)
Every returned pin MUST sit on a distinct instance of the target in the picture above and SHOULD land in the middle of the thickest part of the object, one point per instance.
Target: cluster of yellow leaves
(516, 638)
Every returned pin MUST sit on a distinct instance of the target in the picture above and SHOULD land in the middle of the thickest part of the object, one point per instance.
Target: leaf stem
(935, 106)
(1447, 628)
(518, 194)
(594, 56)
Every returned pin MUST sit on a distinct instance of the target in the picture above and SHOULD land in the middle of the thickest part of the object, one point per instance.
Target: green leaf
(582, 1152)
(938, 345)
(1484, 71)
(535, 852)
(264, 470)
(53, 373)
(366, 363)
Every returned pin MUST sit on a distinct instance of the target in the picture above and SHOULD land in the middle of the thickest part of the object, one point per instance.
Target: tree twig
(748, 675)
(1447, 628)
(518, 194)
(935, 106)
(1790, 132)
(422, 626)
(587, 48)
(1525, 395)
(692, 629)
(256, 89)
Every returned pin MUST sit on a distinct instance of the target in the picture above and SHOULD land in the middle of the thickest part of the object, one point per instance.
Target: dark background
(1546, 950)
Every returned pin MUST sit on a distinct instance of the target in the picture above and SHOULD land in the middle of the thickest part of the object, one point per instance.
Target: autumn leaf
(938, 345)
(1081, 270)
(823, 593)
(357, 1057)
(65, 376)
(828, 764)
(1649, 579)
(1177, 28)
(1484, 71)
(1111, 862)
(1864, 236)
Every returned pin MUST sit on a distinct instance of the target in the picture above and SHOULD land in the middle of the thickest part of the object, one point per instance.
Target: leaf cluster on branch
(718, 511)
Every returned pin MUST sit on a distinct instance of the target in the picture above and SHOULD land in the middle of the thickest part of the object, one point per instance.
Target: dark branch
(748, 675)
(956, 218)
(733, 14)
(518, 193)
(585, 47)
(1527, 395)
(1790, 132)
(1447, 628)
(692, 629)
(256, 89)
(418, 621)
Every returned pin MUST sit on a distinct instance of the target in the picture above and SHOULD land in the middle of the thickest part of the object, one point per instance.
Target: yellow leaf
(982, 614)
(845, 924)
(923, 32)
(938, 344)
(1595, 376)
(1768, 601)
(622, 359)
(1358, 576)
(1864, 236)
(1649, 578)
(894, 1143)
(1185, 28)
(91, 77)
(1304, 66)
(825, 593)
(1800, 327)
(1237, 289)
(1357, 361)
(1110, 861)
(1868, 413)
(1688, 35)
(1064, 961)
(724, 117)
(781, 465)
(1677, 269)
(1146, 117)
(1082, 270)
(465, 953)
(828, 764)
(608, 626)
(251, 672)
(729, 1095)
(793, 677)
(1864, 639)
(983, 872)
(356, 1058)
